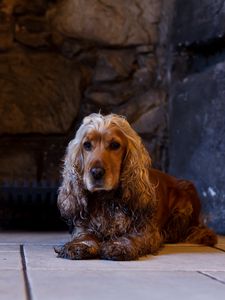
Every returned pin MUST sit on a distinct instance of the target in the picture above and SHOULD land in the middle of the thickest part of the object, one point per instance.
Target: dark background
(160, 63)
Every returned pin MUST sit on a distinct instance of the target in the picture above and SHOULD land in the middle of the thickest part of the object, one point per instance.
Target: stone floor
(29, 270)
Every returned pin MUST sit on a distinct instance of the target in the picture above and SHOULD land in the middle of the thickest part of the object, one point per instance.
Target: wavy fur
(140, 212)
(134, 177)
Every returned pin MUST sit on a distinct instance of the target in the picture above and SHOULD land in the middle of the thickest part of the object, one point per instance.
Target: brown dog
(120, 207)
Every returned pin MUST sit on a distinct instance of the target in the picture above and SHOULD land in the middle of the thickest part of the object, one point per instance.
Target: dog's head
(107, 153)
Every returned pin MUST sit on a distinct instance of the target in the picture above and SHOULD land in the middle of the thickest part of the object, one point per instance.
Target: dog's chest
(110, 222)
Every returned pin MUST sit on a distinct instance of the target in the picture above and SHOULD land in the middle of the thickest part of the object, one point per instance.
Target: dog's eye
(114, 145)
(87, 146)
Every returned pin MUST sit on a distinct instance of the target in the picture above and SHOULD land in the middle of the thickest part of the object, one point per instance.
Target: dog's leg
(176, 228)
(133, 245)
(183, 224)
(85, 246)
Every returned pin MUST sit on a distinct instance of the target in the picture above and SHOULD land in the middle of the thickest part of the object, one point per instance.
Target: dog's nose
(97, 173)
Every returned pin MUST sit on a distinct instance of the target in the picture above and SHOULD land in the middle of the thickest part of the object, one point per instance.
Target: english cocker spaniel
(120, 207)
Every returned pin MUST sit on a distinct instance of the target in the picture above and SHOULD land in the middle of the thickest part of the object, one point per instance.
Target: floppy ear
(136, 186)
(71, 198)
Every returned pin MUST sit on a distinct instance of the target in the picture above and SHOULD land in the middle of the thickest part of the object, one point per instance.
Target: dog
(120, 207)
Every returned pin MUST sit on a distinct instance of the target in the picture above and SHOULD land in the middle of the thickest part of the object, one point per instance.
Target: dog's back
(178, 212)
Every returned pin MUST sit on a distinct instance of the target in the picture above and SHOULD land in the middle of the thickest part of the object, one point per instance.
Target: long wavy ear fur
(71, 197)
(72, 200)
(136, 185)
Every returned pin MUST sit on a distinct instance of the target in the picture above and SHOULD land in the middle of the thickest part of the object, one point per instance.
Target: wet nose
(97, 173)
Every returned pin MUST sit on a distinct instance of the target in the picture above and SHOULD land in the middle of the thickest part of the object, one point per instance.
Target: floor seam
(211, 277)
(222, 250)
(25, 274)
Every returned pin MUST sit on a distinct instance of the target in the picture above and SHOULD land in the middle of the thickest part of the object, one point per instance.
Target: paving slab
(182, 258)
(170, 258)
(10, 260)
(12, 285)
(179, 271)
(44, 257)
(9, 248)
(219, 276)
(39, 238)
(82, 285)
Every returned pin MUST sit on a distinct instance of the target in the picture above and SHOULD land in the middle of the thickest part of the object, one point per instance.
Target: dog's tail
(202, 235)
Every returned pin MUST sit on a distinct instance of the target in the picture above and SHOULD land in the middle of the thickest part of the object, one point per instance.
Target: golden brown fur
(120, 207)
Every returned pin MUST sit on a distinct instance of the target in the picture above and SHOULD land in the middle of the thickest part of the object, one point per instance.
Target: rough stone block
(112, 22)
(197, 21)
(114, 65)
(151, 122)
(6, 28)
(40, 92)
(197, 144)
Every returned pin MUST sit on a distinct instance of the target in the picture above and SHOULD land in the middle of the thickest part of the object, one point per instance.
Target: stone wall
(197, 104)
(61, 60)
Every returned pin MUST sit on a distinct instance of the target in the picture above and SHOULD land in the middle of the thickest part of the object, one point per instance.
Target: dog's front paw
(85, 249)
(120, 249)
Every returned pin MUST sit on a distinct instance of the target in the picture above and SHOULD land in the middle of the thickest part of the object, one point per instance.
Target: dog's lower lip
(99, 187)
